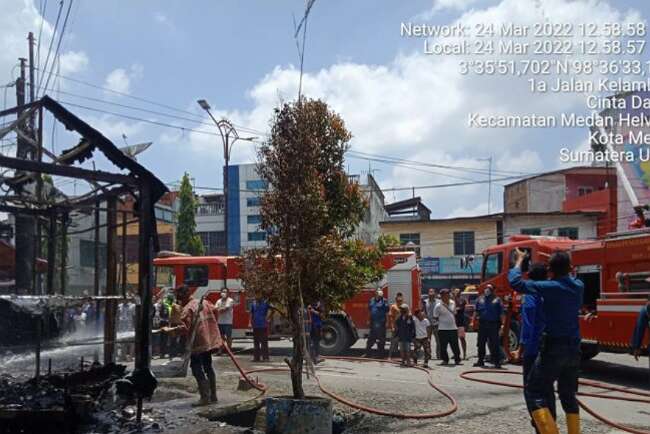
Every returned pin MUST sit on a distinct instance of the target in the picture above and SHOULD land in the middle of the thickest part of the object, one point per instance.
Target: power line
(49, 50)
(58, 47)
(381, 158)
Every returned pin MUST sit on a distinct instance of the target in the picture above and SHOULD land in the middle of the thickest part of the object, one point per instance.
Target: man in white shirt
(225, 306)
(428, 305)
(422, 337)
(447, 330)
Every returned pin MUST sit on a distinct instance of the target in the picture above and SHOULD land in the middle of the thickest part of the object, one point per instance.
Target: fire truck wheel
(513, 336)
(335, 337)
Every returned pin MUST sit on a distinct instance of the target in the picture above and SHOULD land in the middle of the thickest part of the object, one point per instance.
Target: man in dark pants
(559, 356)
(642, 324)
(532, 327)
(378, 307)
(489, 311)
(198, 321)
(445, 313)
(259, 321)
(315, 326)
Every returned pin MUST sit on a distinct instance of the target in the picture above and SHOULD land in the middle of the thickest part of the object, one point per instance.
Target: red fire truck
(208, 275)
(615, 271)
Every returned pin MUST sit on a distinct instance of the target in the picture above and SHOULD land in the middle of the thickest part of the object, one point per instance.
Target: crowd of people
(438, 325)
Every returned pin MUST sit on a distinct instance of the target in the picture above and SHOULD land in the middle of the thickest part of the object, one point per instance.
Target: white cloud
(17, 19)
(73, 62)
(459, 5)
(120, 80)
(417, 106)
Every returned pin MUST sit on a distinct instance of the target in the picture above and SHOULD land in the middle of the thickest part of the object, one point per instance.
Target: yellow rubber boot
(545, 422)
(573, 423)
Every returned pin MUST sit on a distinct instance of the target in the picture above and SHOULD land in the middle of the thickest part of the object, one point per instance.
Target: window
(256, 184)
(165, 276)
(492, 265)
(214, 242)
(568, 232)
(254, 219)
(405, 239)
(196, 275)
(164, 215)
(531, 231)
(582, 191)
(87, 254)
(464, 243)
(256, 236)
(253, 201)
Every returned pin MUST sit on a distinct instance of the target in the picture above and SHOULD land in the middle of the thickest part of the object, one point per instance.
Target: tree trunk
(298, 352)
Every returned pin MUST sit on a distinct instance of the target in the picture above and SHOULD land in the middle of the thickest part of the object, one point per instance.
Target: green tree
(309, 212)
(187, 241)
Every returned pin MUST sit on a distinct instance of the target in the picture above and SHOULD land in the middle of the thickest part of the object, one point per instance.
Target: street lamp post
(229, 136)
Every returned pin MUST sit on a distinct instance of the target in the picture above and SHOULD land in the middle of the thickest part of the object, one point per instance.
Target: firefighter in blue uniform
(378, 307)
(559, 353)
(489, 310)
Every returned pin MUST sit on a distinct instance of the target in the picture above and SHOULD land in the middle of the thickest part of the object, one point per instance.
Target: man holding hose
(199, 324)
(559, 353)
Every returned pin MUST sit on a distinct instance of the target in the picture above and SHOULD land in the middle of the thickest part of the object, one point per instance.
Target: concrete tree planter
(312, 415)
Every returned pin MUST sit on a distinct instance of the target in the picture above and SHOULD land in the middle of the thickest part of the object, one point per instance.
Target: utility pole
(226, 130)
(24, 227)
(37, 284)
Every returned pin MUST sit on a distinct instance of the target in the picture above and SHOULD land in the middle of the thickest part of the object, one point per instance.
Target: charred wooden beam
(67, 171)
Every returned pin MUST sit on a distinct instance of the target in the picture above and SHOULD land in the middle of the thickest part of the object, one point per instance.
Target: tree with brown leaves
(309, 212)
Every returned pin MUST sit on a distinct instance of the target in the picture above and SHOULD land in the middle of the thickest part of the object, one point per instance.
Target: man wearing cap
(489, 311)
(206, 339)
(378, 307)
(405, 333)
(225, 306)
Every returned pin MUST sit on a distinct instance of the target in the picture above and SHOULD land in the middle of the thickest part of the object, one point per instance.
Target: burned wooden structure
(41, 214)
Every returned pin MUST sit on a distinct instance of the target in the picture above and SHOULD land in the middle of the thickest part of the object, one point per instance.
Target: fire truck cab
(614, 270)
(208, 275)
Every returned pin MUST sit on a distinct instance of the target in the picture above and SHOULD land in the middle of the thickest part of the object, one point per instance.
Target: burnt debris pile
(61, 403)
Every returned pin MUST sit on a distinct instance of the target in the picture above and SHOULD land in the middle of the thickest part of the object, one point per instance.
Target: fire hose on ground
(263, 389)
(643, 397)
(606, 388)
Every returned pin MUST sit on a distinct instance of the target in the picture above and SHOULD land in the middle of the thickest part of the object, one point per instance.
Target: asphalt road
(482, 408)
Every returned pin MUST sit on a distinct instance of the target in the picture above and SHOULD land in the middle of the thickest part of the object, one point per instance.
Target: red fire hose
(263, 389)
(466, 376)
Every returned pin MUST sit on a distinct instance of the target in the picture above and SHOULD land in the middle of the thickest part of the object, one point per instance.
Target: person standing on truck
(198, 321)
(559, 354)
(315, 326)
(461, 320)
(394, 313)
(532, 326)
(405, 332)
(422, 337)
(260, 310)
(489, 311)
(445, 312)
(225, 306)
(428, 305)
(378, 307)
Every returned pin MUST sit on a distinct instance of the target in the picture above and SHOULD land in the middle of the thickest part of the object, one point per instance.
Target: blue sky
(241, 56)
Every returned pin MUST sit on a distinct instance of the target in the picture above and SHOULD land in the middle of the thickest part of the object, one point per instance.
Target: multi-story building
(244, 191)
(586, 189)
(440, 244)
(210, 222)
